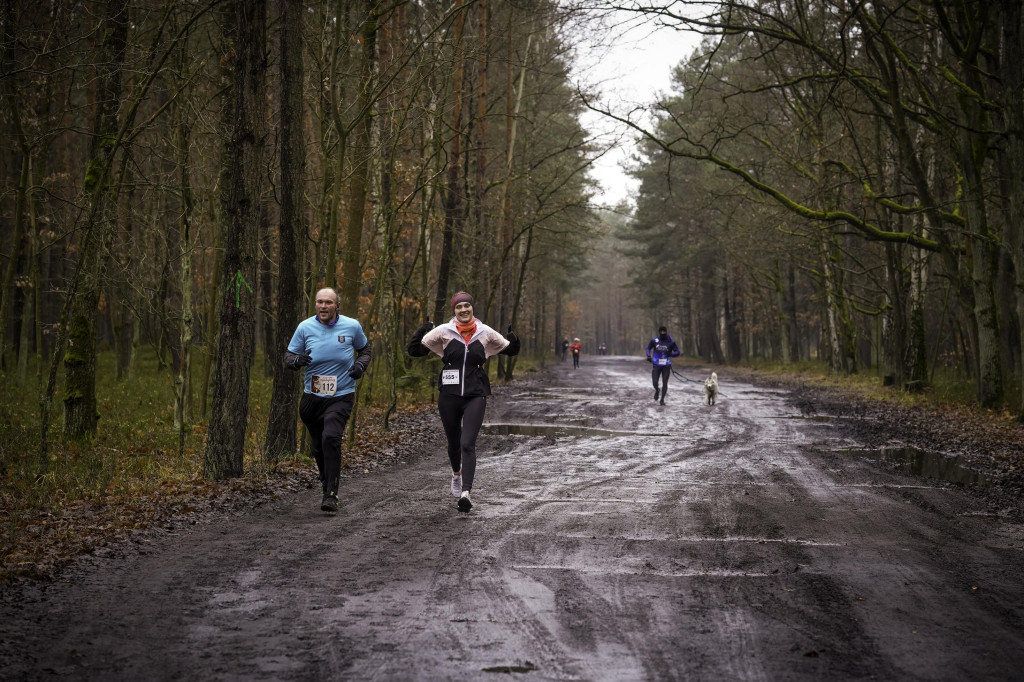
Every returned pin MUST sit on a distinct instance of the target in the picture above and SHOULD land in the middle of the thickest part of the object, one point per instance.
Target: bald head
(327, 303)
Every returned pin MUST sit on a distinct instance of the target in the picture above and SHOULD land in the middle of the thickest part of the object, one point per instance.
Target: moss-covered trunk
(80, 413)
(229, 413)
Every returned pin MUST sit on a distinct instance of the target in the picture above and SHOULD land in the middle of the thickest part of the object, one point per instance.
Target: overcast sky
(633, 70)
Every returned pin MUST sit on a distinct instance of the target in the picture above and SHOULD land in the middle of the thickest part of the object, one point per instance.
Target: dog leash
(680, 376)
(694, 381)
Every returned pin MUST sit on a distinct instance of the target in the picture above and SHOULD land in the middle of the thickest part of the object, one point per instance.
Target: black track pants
(462, 418)
(662, 371)
(325, 419)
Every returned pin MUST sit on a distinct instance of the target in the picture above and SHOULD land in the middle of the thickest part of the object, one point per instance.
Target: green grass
(135, 447)
(948, 386)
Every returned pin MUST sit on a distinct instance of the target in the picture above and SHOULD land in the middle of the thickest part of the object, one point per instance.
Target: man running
(335, 352)
(660, 352)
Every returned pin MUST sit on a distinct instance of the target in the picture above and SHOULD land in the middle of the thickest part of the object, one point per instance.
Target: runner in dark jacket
(660, 352)
(464, 344)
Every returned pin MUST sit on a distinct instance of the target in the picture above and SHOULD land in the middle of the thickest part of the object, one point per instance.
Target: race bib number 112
(325, 385)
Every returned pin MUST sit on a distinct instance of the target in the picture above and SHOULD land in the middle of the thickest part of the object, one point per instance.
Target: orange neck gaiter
(467, 330)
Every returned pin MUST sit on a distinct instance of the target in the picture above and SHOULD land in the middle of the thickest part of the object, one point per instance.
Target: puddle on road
(528, 668)
(924, 463)
(558, 431)
(821, 418)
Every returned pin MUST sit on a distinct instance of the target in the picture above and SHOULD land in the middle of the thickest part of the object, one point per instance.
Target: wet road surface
(611, 539)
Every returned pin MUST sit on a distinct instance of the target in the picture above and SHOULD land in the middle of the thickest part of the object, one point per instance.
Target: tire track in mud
(762, 521)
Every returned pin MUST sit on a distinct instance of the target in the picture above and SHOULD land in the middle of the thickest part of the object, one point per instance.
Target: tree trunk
(1012, 70)
(127, 327)
(484, 245)
(183, 381)
(334, 171)
(453, 191)
(264, 314)
(710, 343)
(983, 253)
(351, 277)
(235, 348)
(30, 311)
(14, 106)
(226, 21)
(281, 424)
(17, 241)
(514, 100)
(80, 410)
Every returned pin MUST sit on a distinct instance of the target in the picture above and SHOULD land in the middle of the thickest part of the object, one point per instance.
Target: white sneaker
(456, 484)
(465, 504)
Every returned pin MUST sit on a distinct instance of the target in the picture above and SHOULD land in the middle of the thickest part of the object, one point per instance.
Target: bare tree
(230, 409)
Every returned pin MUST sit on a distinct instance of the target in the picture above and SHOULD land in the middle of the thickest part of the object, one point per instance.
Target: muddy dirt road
(611, 539)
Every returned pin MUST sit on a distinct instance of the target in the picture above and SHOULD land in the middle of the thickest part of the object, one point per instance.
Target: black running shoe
(465, 504)
(662, 401)
(330, 503)
(656, 393)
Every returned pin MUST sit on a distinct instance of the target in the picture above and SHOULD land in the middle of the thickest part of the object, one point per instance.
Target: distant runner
(576, 347)
(660, 352)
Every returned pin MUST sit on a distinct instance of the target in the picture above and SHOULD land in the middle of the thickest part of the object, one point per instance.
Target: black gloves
(415, 348)
(357, 370)
(649, 359)
(512, 348)
(295, 362)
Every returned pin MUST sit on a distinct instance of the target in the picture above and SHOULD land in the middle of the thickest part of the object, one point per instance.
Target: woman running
(576, 347)
(464, 344)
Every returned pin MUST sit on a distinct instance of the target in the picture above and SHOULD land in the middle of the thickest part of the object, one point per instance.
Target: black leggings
(662, 371)
(462, 418)
(325, 419)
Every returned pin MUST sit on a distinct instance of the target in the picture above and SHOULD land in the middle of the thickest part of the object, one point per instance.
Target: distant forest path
(612, 538)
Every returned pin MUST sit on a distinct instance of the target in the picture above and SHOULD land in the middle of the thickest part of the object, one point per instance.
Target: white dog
(711, 389)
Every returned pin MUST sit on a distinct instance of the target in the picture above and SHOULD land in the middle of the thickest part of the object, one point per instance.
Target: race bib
(450, 377)
(324, 384)
(661, 361)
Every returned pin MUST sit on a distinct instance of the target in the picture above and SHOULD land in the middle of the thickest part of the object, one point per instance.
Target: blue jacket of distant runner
(661, 350)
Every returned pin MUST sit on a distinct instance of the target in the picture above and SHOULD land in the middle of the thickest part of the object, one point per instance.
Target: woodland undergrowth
(139, 472)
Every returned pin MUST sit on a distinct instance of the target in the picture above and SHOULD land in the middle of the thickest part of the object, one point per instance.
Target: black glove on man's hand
(356, 371)
(649, 359)
(297, 362)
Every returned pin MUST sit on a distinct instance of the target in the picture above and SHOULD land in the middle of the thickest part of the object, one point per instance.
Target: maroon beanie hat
(461, 297)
